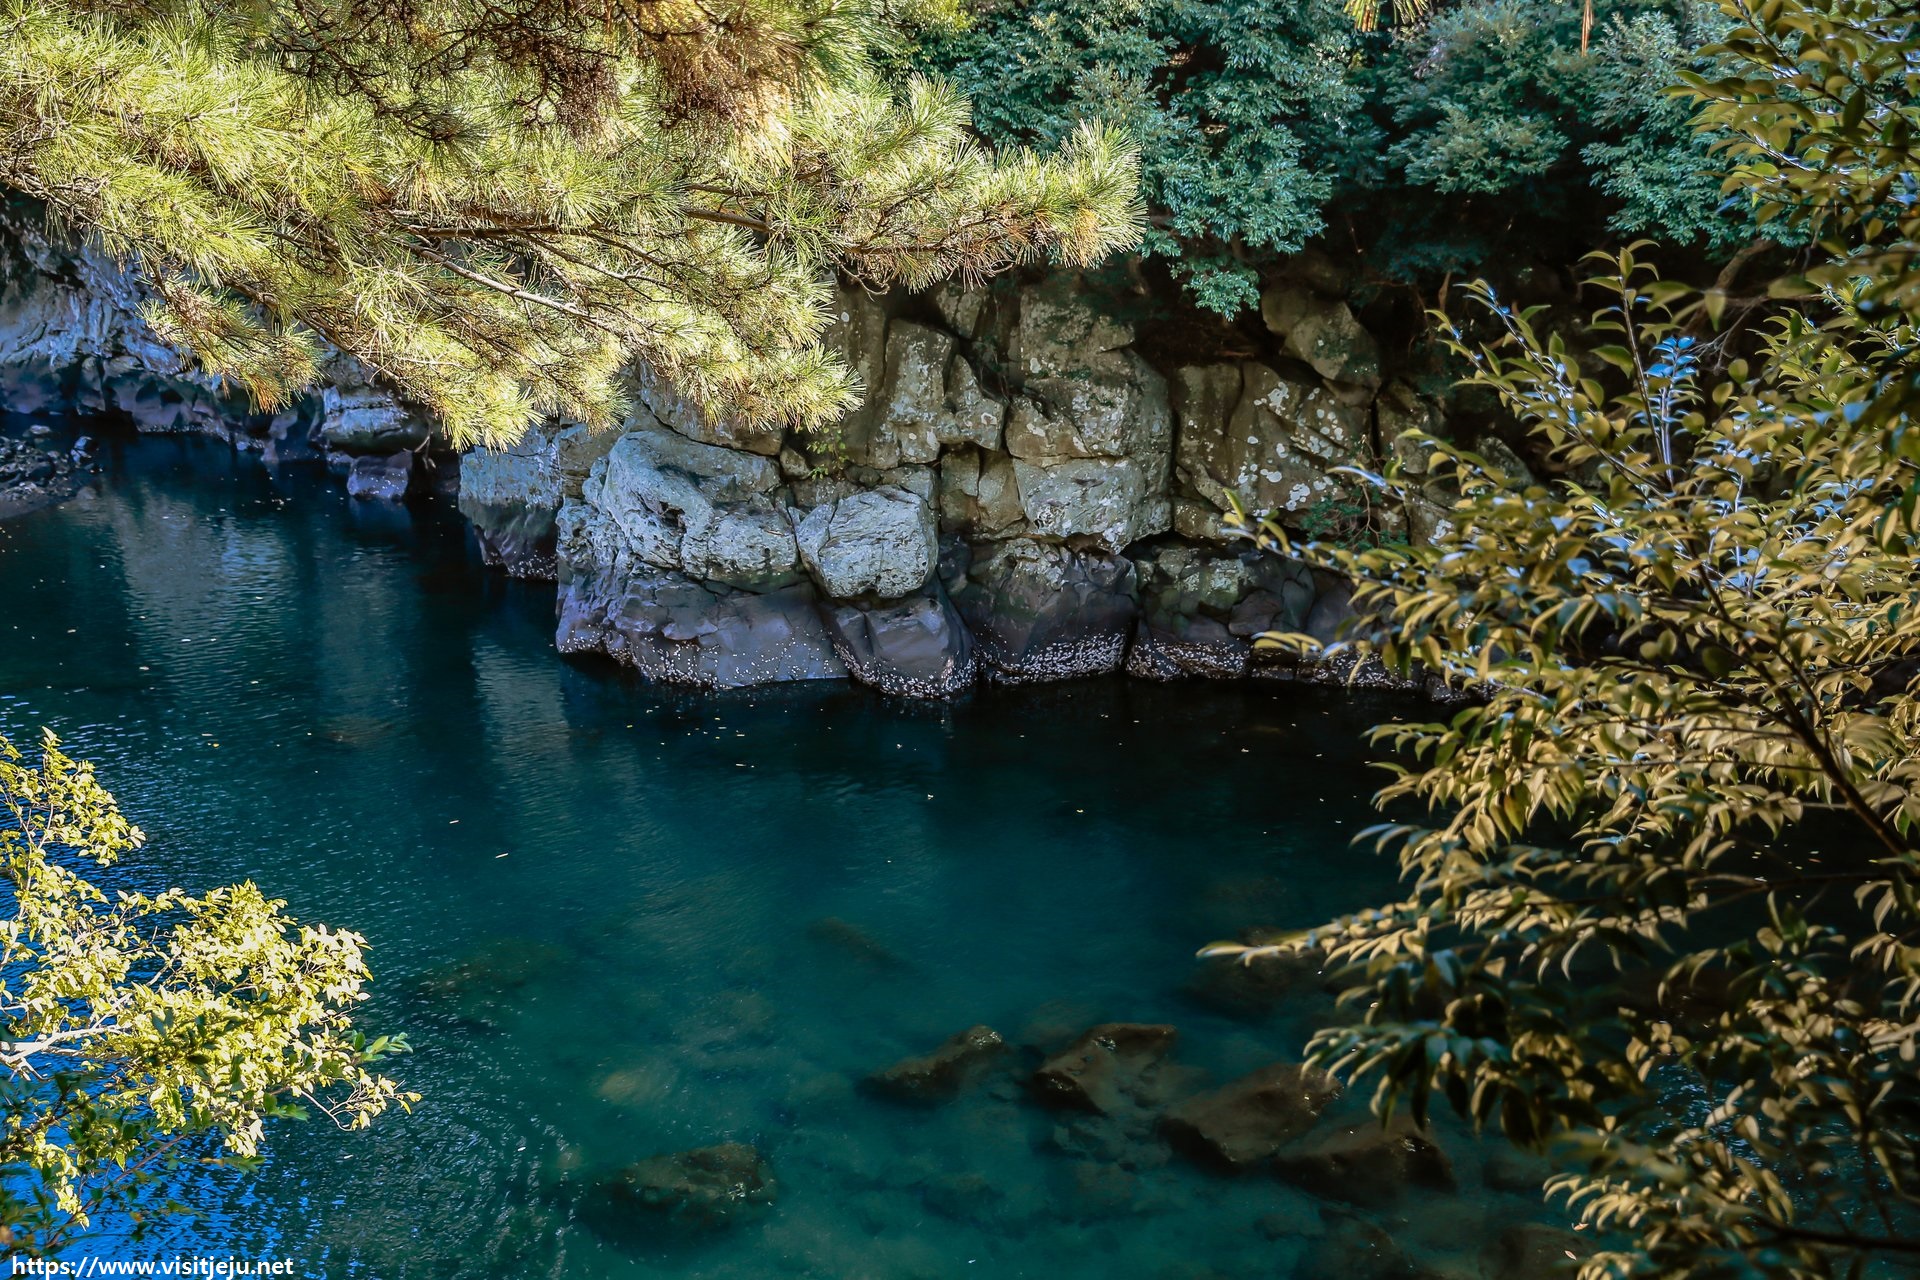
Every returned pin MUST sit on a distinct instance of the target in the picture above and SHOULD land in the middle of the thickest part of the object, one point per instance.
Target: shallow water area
(618, 920)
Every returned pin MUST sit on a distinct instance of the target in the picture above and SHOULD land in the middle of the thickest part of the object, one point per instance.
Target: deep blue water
(618, 920)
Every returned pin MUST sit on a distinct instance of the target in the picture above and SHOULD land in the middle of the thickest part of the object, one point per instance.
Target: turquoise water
(618, 920)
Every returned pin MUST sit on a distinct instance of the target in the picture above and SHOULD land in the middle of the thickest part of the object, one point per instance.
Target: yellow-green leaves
(131, 1024)
(496, 212)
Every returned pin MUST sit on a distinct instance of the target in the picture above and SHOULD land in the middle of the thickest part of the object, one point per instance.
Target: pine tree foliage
(496, 206)
(141, 1030)
(1663, 912)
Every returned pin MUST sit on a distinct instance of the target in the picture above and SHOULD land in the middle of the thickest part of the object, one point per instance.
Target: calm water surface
(618, 921)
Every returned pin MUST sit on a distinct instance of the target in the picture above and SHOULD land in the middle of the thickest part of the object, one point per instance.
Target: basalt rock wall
(1021, 495)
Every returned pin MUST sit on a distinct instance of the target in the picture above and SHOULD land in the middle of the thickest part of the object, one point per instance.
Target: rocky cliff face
(1020, 496)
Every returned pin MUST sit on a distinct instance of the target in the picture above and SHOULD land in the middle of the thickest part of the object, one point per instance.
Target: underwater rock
(855, 943)
(1253, 990)
(940, 1075)
(701, 1189)
(1238, 1126)
(1515, 1171)
(1107, 1069)
(1369, 1165)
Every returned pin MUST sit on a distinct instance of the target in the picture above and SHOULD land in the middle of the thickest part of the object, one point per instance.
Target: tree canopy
(140, 1030)
(497, 206)
(1661, 915)
(1484, 134)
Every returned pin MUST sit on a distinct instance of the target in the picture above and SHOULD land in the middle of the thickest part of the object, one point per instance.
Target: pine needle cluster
(497, 206)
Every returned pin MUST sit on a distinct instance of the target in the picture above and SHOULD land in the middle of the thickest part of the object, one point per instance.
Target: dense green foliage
(496, 207)
(1482, 133)
(1663, 914)
(140, 1030)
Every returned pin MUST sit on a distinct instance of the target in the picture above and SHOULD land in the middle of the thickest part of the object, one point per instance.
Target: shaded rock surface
(918, 647)
(387, 479)
(1369, 1165)
(941, 1074)
(1108, 1068)
(1045, 612)
(1246, 1122)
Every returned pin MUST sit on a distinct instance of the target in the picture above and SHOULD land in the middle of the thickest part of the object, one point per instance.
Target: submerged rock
(1246, 1122)
(1107, 1069)
(701, 1189)
(1369, 1165)
(940, 1075)
(855, 943)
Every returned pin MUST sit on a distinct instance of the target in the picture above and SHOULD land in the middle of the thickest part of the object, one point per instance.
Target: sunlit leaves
(1662, 912)
(497, 207)
(136, 1030)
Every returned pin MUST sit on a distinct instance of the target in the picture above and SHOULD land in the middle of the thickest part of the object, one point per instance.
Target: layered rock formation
(1020, 495)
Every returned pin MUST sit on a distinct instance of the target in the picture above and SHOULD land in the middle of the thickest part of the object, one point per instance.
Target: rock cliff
(1020, 495)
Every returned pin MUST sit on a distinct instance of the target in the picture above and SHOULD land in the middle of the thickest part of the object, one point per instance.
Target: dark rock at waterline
(940, 1075)
(384, 479)
(1533, 1251)
(917, 647)
(1246, 1122)
(1106, 1070)
(677, 631)
(1044, 612)
(701, 1190)
(1179, 646)
(31, 476)
(1369, 1165)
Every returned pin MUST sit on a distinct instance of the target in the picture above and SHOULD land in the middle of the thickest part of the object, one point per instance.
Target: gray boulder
(916, 647)
(701, 509)
(512, 496)
(1061, 327)
(1322, 332)
(655, 401)
(385, 479)
(880, 542)
(1268, 440)
(1109, 502)
(356, 416)
(1044, 612)
(1114, 405)
(980, 494)
(931, 397)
